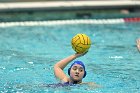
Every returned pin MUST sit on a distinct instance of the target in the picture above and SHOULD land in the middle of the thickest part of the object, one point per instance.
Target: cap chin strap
(76, 82)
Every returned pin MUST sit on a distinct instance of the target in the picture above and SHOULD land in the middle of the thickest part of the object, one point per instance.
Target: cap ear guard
(85, 73)
(69, 71)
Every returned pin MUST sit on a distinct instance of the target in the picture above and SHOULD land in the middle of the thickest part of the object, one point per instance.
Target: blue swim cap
(79, 63)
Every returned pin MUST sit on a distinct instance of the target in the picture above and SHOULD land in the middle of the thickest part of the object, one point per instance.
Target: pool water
(28, 53)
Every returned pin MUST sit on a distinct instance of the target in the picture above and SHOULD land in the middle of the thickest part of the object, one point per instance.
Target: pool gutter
(67, 5)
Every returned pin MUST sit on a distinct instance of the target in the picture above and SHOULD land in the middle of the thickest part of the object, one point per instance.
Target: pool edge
(67, 5)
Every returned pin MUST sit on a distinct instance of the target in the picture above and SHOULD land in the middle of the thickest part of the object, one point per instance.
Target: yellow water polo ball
(81, 43)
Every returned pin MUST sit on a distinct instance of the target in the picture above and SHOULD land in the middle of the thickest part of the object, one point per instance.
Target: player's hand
(80, 54)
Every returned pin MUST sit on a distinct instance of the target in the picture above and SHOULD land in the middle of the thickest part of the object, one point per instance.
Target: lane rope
(64, 22)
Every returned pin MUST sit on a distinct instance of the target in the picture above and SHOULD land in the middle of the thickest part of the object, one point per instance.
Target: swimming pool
(28, 53)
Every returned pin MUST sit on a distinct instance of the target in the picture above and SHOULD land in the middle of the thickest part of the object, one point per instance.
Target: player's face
(77, 72)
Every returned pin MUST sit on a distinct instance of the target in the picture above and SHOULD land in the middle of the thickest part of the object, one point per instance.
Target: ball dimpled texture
(81, 43)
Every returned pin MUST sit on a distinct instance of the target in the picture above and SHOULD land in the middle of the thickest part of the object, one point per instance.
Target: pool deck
(67, 5)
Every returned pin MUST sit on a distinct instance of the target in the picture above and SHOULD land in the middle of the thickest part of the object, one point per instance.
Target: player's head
(77, 71)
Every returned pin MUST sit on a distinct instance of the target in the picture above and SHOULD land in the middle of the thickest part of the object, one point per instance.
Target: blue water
(27, 56)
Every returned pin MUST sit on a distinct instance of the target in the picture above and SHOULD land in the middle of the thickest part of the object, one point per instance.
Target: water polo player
(76, 71)
(138, 44)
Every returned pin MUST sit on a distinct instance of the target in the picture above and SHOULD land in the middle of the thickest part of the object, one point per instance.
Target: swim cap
(79, 63)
